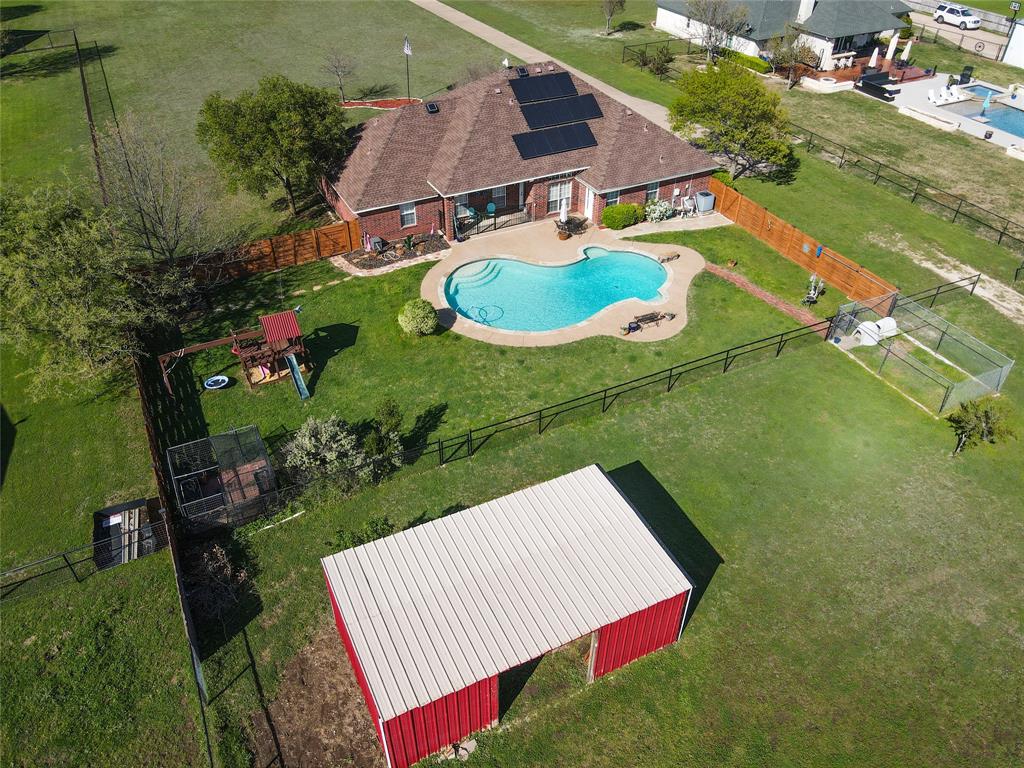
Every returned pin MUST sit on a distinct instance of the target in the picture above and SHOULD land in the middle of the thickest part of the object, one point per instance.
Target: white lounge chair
(932, 98)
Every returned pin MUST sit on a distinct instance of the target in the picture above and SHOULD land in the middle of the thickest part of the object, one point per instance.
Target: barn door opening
(512, 683)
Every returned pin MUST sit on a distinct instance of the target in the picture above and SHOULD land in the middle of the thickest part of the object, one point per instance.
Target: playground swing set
(272, 352)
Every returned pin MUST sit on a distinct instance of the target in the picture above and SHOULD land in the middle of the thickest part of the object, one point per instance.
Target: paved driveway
(979, 41)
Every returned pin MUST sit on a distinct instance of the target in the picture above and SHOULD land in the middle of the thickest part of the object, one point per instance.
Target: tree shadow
(8, 432)
(426, 517)
(427, 423)
(51, 63)
(627, 26)
(12, 12)
(670, 524)
(786, 172)
(512, 682)
(323, 344)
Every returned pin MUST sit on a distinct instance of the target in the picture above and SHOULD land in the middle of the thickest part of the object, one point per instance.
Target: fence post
(999, 240)
(882, 365)
(440, 452)
(316, 243)
(540, 421)
(974, 285)
(782, 342)
(842, 158)
(878, 172)
(914, 198)
(725, 369)
(957, 211)
(470, 442)
(945, 397)
(71, 568)
(932, 302)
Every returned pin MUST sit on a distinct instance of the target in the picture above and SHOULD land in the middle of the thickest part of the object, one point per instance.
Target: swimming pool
(982, 91)
(516, 296)
(1001, 116)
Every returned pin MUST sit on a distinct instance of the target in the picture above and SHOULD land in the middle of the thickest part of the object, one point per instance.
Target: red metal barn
(431, 616)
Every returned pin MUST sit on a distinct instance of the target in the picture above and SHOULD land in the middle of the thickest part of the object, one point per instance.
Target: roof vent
(551, 67)
(538, 70)
(433, 107)
(629, 113)
(522, 72)
(497, 90)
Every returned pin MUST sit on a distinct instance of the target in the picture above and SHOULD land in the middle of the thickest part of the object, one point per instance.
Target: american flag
(407, 47)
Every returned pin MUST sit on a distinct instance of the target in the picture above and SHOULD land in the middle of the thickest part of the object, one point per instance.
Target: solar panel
(553, 141)
(554, 86)
(573, 109)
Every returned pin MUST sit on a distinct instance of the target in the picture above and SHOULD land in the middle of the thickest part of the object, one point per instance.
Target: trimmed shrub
(622, 215)
(418, 317)
(750, 62)
(658, 210)
(725, 177)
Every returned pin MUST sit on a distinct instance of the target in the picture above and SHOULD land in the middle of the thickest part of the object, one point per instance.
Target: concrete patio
(537, 243)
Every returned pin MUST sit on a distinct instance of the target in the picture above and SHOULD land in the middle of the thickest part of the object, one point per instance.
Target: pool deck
(538, 243)
(915, 95)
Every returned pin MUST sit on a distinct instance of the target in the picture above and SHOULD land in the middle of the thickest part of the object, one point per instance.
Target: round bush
(418, 317)
(621, 215)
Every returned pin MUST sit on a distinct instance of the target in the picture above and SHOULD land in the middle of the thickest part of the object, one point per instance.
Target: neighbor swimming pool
(1001, 116)
(516, 296)
(981, 91)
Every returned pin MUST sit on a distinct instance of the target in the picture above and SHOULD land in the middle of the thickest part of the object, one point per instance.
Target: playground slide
(297, 380)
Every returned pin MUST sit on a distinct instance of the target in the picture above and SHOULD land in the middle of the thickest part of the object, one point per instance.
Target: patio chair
(966, 76)
(492, 209)
(689, 207)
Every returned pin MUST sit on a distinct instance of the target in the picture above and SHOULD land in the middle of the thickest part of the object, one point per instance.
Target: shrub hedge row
(622, 215)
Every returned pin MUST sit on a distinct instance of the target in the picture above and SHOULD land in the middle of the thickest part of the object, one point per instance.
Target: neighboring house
(419, 168)
(830, 27)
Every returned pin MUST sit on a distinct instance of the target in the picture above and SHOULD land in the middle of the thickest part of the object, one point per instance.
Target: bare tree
(340, 67)
(718, 20)
(163, 202)
(610, 8)
(788, 53)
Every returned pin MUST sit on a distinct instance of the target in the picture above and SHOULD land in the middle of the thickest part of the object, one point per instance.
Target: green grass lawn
(98, 673)
(163, 59)
(64, 458)
(883, 232)
(361, 355)
(954, 162)
(832, 503)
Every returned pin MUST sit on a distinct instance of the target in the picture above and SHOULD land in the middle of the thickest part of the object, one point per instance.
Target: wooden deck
(848, 74)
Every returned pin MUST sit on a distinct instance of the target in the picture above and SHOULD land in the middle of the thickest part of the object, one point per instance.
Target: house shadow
(323, 344)
(669, 522)
(9, 13)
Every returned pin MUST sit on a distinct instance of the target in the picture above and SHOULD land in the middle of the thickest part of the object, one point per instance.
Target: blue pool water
(1009, 119)
(516, 296)
(982, 91)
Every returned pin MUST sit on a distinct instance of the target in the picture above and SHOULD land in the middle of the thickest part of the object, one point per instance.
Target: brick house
(524, 139)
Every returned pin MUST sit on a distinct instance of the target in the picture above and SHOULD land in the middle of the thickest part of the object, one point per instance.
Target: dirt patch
(1002, 297)
(319, 717)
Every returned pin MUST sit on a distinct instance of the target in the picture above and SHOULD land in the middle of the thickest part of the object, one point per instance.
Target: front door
(588, 204)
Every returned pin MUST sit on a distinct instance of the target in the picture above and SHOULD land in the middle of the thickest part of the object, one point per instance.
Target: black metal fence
(658, 56)
(485, 222)
(79, 563)
(959, 38)
(981, 221)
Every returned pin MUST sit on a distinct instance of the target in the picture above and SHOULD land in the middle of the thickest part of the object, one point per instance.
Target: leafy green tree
(725, 110)
(383, 444)
(979, 421)
(326, 449)
(72, 290)
(283, 132)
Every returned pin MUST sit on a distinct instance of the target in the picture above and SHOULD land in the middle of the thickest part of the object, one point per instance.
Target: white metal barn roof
(457, 600)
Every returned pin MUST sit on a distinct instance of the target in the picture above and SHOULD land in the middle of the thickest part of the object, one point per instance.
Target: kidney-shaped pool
(516, 296)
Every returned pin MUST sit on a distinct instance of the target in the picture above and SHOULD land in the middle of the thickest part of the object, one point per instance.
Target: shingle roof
(830, 18)
(438, 607)
(408, 154)
(840, 18)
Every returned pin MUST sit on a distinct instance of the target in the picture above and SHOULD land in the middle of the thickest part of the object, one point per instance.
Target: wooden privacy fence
(836, 270)
(290, 250)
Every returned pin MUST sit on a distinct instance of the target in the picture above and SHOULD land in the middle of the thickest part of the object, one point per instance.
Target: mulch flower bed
(373, 260)
(381, 103)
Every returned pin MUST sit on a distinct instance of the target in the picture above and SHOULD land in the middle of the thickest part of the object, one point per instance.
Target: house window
(652, 192)
(462, 205)
(407, 213)
(557, 192)
(612, 198)
(498, 197)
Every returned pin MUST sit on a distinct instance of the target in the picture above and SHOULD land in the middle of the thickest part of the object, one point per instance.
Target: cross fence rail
(988, 224)
(79, 563)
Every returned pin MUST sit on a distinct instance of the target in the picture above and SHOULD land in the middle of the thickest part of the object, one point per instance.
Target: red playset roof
(282, 326)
